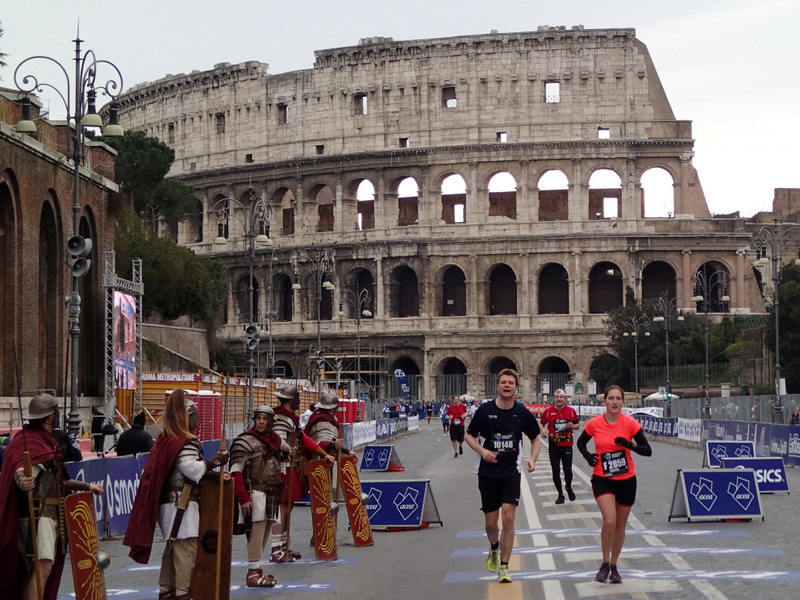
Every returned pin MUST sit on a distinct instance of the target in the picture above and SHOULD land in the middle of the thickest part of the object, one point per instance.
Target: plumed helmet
(286, 392)
(191, 405)
(263, 410)
(328, 401)
(41, 406)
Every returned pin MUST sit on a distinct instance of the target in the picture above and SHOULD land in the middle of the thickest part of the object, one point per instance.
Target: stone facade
(462, 281)
(36, 203)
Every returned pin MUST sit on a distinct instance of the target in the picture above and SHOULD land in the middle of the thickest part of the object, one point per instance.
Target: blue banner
(376, 458)
(121, 484)
(716, 494)
(770, 472)
(402, 381)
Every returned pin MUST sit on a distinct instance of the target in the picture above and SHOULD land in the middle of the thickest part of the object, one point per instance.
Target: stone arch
(555, 370)
(712, 282)
(658, 279)
(365, 205)
(324, 197)
(220, 205)
(503, 195)
(241, 296)
(502, 296)
(357, 280)
(605, 194)
(283, 211)
(194, 224)
(605, 287)
(49, 297)
(454, 292)
(553, 290)
(282, 297)
(283, 368)
(8, 289)
(553, 186)
(407, 201)
(658, 193)
(454, 198)
(451, 379)
(404, 292)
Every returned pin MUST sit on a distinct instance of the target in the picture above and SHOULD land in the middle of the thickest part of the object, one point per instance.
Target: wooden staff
(28, 471)
(337, 474)
(221, 500)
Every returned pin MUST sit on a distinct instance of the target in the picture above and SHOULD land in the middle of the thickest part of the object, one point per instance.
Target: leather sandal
(256, 578)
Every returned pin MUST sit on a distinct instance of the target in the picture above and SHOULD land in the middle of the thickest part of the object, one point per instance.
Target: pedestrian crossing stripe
(654, 550)
(675, 575)
(628, 532)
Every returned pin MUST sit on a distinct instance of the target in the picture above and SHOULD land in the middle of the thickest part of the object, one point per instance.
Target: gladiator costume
(256, 466)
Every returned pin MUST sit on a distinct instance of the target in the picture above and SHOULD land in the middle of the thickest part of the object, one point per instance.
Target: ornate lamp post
(706, 284)
(665, 306)
(320, 267)
(79, 101)
(634, 323)
(774, 240)
(360, 299)
(255, 220)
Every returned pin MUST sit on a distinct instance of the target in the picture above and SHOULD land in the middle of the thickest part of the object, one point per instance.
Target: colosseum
(447, 207)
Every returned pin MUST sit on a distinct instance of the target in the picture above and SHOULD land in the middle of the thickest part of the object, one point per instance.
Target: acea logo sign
(406, 503)
(718, 450)
(716, 494)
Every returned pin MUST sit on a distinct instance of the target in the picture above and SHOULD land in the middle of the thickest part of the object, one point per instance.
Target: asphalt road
(556, 550)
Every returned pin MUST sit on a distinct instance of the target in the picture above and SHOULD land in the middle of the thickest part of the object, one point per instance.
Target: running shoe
(461, 449)
(613, 576)
(560, 499)
(492, 561)
(571, 495)
(455, 455)
(502, 574)
(603, 573)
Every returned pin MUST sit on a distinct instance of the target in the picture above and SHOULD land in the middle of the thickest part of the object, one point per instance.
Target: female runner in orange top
(615, 435)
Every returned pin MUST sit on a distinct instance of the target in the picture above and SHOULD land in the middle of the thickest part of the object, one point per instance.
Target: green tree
(141, 167)
(176, 281)
(789, 316)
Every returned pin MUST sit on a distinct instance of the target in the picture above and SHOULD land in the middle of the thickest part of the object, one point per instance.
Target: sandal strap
(256, 578)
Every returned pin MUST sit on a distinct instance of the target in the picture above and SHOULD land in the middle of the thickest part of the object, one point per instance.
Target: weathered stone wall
(475, 106)
(36, 219)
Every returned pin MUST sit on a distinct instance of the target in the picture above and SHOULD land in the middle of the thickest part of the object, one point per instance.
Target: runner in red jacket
(559, 420)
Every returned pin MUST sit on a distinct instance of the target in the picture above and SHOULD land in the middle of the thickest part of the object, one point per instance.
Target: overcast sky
(732, 67)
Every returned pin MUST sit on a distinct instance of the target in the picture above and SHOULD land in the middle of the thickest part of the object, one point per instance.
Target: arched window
(553, 196)
(605, 195)
(365, 197)
(503, 196)
(502, 291)
(658, 193)
(605, 288)
(454, 293)
(408, 202)
(553, 290)
(454, 199)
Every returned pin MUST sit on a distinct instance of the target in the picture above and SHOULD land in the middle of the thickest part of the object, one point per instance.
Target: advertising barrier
(716, 494)
(405, 504)
(718, 450)
(770, 472)
(381, 458)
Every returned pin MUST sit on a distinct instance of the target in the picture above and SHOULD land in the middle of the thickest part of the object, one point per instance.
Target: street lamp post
(360, 300)
(775, 240)
(254, 218)
(704, 284)
(664, 307)
(320, 267)
(634, 323)
(79, 115)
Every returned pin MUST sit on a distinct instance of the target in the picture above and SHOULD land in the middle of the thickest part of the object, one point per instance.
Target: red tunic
(42, 447)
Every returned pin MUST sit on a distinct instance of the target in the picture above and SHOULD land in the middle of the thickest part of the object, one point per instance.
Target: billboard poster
(125, 320)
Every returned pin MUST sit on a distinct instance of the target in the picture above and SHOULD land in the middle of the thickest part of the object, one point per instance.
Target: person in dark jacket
(136, 439)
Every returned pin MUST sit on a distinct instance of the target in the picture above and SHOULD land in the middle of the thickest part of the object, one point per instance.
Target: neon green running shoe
(492, 561)
(502, 574)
